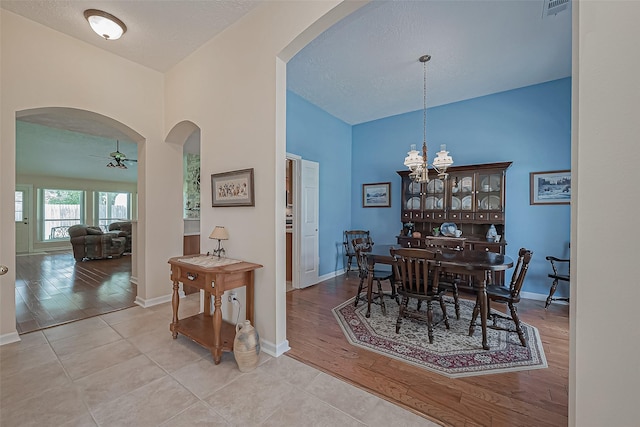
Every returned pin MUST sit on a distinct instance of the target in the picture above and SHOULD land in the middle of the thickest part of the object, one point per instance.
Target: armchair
(123, 228)
(91, 243)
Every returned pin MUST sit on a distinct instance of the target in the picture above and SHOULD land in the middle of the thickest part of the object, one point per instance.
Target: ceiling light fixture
(418, 164)
(118, 164)
(105, 24)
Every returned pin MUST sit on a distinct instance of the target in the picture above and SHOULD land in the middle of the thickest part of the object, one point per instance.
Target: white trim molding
(9, 338)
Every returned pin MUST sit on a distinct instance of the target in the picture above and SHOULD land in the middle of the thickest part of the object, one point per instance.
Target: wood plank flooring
(52, 289)
(527, 398)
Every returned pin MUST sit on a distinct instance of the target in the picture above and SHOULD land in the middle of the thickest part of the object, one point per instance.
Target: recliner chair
(91, 243)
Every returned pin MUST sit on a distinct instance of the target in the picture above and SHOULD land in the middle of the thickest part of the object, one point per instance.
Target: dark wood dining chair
(509, 296)
(349, 252)
(558, 265)
(417, 276)
(361, 246)
(451, 281)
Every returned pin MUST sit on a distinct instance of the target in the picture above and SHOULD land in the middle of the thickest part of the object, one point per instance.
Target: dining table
(480, 265)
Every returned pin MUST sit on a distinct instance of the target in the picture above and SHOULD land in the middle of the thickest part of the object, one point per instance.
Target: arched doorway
(72, 167)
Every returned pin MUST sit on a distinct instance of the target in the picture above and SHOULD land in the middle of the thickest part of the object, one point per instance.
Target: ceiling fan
(118, 158)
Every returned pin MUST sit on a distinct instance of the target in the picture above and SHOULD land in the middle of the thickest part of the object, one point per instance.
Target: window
(112, 207)
(60, 210)
(19, 206)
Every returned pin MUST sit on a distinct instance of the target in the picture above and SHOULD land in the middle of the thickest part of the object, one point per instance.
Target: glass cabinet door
(489, 191)
(412, 195)
(461, 192)
(434, 199)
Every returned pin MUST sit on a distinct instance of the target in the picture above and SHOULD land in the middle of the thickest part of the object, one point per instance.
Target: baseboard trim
(9, 338)
(153, 301)
(539, 297)
(274, 350)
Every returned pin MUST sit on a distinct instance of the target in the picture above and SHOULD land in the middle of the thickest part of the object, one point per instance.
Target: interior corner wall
(530, 127)
(44, 68)
(604, 367)
(315, 135)
(228, 89)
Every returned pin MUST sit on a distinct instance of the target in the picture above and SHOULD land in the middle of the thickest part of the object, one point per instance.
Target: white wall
(44, 68)
(605, 347)
(228, 89)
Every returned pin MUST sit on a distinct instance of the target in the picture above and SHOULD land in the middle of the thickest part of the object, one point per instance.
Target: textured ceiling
(363, 68)
(366, 66)
(160, 33)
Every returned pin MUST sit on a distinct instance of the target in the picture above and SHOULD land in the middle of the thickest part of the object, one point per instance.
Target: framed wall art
(232, 188)
(376, 195)
(550, 188)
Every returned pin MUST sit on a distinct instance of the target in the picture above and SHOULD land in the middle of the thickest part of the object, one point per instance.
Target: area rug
(453, 353)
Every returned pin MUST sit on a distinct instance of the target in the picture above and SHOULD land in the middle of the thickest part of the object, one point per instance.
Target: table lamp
(219, 233)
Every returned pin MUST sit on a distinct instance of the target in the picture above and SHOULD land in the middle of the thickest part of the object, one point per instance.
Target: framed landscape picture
(232, 188)
(376, 195)
(550, 188)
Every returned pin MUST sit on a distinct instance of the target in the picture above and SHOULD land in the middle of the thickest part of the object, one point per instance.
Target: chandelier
(417, 162)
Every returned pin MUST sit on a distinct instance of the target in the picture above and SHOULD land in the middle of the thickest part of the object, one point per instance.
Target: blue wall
(530, 127)
(315, 135)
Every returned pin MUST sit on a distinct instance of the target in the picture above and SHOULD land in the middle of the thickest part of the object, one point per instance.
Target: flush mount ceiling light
(105, 24)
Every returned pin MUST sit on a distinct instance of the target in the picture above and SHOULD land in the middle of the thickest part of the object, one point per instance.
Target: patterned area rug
(453, 353)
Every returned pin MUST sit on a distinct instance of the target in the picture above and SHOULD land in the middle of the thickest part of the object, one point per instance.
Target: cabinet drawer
(410, 242)
(490, 216)
(466, 215)
(438, 215)
(406, 215)
(488, 247)
(192, 278)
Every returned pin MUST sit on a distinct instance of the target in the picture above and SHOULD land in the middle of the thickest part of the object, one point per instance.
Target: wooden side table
(205, 272)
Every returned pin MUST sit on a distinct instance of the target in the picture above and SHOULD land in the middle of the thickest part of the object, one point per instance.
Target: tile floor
(124, 369)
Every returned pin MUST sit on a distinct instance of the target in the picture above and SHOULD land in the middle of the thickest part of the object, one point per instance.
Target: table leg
(217, 328)
(249, 297)
(175, 302)
(482, 293)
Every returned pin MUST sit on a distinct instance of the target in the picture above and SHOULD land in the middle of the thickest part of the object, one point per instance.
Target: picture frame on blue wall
(376, 195)
(232, 188)
(550, 188)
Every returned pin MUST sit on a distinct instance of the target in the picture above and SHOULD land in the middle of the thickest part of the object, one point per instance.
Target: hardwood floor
(52, 289)
(527, 398)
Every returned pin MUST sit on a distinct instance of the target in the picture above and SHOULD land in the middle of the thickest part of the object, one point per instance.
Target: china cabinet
(471, 199)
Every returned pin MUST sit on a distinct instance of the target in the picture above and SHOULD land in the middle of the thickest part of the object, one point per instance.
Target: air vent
(553, 7)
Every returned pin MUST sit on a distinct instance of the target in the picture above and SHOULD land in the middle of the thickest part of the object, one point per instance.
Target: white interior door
(22, 218)
(309, 260)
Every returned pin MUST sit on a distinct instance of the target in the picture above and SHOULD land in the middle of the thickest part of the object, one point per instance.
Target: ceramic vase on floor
(246, 346)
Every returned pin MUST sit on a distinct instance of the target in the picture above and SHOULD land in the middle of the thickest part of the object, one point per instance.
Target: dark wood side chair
(509, 296)
(558, 264)
(361, 246)
(349, 252)
(417, 273)
(447, 280)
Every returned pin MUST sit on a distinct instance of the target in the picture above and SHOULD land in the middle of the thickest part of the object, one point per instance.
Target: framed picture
(376, 195)
(232, 188)
(550, 188)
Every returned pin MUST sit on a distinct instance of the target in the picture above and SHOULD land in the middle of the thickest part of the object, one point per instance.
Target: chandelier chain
(424, 112)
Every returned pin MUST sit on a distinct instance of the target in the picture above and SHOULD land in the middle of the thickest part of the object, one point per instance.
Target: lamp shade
(105, 24)
(219, 233)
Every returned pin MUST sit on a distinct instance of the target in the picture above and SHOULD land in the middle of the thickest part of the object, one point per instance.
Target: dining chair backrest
(360, 247)
(415, 269)
(519, 273)
(351, 235)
